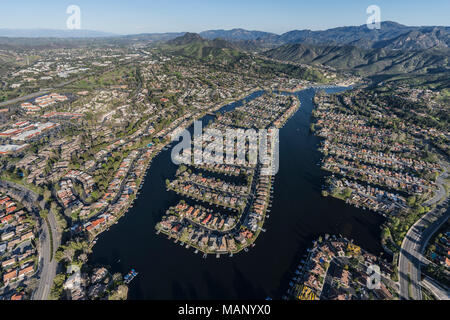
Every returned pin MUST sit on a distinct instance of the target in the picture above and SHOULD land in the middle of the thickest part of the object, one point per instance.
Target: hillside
(192, 45)
(231, 58)
(365, 62)
(417, 40)
(237, 35)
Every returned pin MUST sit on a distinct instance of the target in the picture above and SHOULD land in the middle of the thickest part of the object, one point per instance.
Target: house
(25, 271)
(18, 296)
(26, 236)
(7, 236)
(8, 262)
(9, 276)
(6, 219)
(74, 281)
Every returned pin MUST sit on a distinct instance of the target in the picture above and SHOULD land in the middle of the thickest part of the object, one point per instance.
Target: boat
(130, 276)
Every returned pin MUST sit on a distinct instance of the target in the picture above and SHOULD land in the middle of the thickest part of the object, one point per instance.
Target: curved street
(415, 242)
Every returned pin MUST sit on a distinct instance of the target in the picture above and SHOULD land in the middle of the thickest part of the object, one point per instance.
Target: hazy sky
(139, 16)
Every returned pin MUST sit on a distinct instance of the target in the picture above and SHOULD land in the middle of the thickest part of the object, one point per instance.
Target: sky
(278, 16)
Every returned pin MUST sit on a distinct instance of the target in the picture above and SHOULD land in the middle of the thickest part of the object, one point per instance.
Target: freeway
(415, 241)
(27, 97)
(47, 266)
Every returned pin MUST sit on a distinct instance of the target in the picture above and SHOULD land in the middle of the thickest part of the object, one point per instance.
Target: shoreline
(149, 209)
(92, 238)
(250, 242)
(297, 103)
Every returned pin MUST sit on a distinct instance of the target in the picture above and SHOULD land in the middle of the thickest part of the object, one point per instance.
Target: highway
(415, 242)
(27, 97)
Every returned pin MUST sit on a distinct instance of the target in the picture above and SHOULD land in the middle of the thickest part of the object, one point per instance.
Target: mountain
(192, 45)
(365, 62)
(391, 35)
(417, 39)
(220, 51)
(346, 35)
(237, 34)
(53, 33)
(186, 39)
(154, 37)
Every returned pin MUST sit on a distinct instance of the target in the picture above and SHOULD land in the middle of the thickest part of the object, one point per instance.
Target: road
(48, 271)
(47, 267)
(436, 289)
(415, 242)
(27, 97)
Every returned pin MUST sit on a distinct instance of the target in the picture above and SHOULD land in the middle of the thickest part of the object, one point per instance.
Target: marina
(297, 216)
(130, 276)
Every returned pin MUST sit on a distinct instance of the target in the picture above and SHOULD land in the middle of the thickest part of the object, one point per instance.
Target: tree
(117, 278)
(57, 288)
(47, 194)
(54, 207)
(347, 193)
(386, 233)
(411, 201)
(43, 213)
(419, 210)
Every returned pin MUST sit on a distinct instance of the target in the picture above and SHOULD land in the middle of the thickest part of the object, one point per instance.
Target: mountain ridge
(194, 46)
(391, 35)
(364, 62)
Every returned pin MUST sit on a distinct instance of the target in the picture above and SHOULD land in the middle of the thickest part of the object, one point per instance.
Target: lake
(299, 215)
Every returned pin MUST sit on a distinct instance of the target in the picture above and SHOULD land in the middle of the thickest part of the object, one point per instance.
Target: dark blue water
(299, 215)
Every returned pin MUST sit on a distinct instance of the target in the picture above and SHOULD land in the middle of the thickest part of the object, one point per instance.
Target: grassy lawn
(7, 177)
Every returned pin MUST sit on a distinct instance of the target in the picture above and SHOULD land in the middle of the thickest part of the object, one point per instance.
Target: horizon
(109, 34)
(140, 17)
